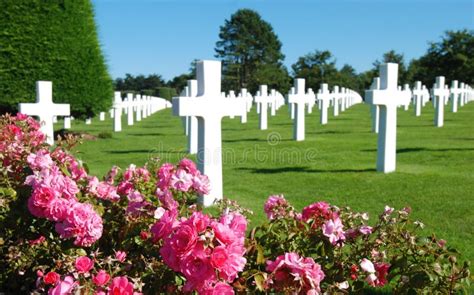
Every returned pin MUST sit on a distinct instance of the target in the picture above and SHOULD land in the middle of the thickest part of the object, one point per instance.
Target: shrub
(63, 231)
(55, 41)
(105, 135)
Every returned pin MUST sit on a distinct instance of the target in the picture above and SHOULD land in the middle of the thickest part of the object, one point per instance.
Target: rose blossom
(101, 278)
(164, 175)
(275, 206)
(84, 264)
(201, 184)
(333, 230)
(367, 266)
(121, 285)
(181, 180)
(64, 287)
(51, 278)
(188, 166)
(120, 256)
(365, 230)
(40, 160)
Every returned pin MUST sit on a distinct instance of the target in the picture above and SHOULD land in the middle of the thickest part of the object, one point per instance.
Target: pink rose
(181, 180)
(51, 278)
(120, 256)
(40, 160)
(220, 288)
(367, 266)
(197, 270)
(84, 264)
(275, 206)
(188, 166)
(201, 184)
(64, 287)
(101, 278)
(165, 173)
(317, 210)
(183, 240)
(58, 209)
(163, 227)
(333, 229)
(365, 230)
(166, 199)
(219, 257)
(121, 286)
(223, 233)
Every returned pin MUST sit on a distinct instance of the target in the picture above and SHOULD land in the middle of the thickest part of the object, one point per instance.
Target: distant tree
(317, 67)
(53, 40)
(452, 57)
(394, 57)
(179, 82)
(250, 49)
(140, 83)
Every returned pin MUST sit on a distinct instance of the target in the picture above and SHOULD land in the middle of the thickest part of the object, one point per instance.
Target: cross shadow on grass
(422, 149)
(303, 169)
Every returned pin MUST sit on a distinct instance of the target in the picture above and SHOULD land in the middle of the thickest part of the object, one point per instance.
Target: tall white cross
(464, 93)
(299, 100)
(439, 95)
(343, 98)
(388, 97)
(455, 94)
(45, 109)
(273, 104)
(291, 107)
(138, 107)
(130, 103)
(417, 98)
(192, 90)
(209, 107)
(117, 106)
(311, 99)
(375, 109)
(245, 96)
(263, 100)
(324, 96)
(335, 100)
(407, 96)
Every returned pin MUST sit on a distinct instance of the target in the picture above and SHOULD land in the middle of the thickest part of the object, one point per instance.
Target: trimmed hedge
(166, 92)
(53, 40)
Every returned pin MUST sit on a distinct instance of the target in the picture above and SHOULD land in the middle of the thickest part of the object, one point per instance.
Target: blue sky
(164, 36)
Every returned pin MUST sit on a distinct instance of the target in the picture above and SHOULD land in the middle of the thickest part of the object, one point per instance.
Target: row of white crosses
(209, 107)
(385, 96)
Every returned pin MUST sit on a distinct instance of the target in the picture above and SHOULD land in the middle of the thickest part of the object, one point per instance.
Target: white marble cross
(209, 107)
(273, 104)
(418, 98)
(117, 106)
(45, 109)
(375, 109)
(324, 96)
(192, 90)
(455, 94)
(138, 107)
(263, 100)
(299, 101)
(291, 107)
(342, 99)
(67, 122)
(311, 99)
(129, 105)
(388, 97)
(407, 95)
(101, 116)
(463, 93)
(232, 96)
(336, 95)
(439, 95)
(244, 95)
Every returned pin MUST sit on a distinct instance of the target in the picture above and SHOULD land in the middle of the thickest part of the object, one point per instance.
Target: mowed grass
(336, 163)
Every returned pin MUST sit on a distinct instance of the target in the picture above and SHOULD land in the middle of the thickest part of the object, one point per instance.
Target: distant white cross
(439, 94)
(117, 106)
(388, 97)
(130, 103)
(209, 107)
(263, 100)
(45, 109)
(299, 100)
(324, 96)
(375, 109)
(418, 98)
(336, 95)
(455, 94)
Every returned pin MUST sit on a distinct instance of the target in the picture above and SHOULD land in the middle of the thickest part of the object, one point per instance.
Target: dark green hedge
(53, 40)
(166, 92)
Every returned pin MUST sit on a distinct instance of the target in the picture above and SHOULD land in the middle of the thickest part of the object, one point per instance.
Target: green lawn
(336, 163)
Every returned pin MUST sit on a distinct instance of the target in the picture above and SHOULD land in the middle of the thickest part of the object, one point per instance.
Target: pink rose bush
(139, 230)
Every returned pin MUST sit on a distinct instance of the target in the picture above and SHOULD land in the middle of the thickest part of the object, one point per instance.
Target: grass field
(336, 163)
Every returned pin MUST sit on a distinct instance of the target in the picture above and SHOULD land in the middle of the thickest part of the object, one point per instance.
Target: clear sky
(164, 36)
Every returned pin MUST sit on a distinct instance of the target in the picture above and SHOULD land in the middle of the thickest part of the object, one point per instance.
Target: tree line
(251, 55)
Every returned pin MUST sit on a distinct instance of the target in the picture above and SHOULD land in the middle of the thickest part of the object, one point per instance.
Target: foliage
(153, 238)
(54, 41)
(452, 57)
(248, 46)
(139, 83)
